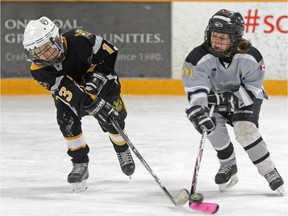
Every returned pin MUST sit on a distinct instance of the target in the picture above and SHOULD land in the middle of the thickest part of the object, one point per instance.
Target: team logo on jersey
(118, 105)
(80, 32)
(187, 72)
(44, 85)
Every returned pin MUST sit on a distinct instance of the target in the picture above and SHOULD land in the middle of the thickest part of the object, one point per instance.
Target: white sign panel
(266, 27)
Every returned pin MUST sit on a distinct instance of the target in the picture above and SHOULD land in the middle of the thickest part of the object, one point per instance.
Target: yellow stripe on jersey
(34, 67)
(65, 44)
(124, 104)
(74, 137)
(75, 149)
(91, 69)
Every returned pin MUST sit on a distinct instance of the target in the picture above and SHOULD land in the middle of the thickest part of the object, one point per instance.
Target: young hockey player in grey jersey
(228, 72)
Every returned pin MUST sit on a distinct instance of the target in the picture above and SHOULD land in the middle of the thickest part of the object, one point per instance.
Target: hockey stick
(181, 198)
(195, 199)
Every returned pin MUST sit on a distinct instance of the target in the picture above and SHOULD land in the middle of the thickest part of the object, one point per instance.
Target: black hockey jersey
(84, 53)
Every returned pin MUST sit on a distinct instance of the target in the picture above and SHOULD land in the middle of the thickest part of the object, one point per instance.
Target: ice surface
(34, 163)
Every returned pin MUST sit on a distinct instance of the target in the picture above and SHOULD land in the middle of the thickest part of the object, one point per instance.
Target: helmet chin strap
(226, 54)
(59, 45)
(229, 53)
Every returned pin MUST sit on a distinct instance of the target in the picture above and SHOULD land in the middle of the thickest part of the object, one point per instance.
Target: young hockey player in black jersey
(78, 69)
(228, 72)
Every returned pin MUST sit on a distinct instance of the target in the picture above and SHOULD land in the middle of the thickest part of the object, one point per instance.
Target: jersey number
(66, 94)
(107, 48)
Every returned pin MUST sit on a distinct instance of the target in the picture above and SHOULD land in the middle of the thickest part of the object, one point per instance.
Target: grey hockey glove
(95, 82)
(102, 111)
(224, 102)
(199, 116)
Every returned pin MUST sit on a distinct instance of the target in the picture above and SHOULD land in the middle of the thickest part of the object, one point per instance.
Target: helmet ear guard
(227, 22)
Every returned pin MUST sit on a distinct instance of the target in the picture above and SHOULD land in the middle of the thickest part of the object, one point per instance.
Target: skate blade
(226, 186)
(281, 190)
(79, 186)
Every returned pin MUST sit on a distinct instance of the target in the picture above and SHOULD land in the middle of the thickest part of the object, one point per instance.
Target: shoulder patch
(118, 105)
(45, 85)
(80, 32)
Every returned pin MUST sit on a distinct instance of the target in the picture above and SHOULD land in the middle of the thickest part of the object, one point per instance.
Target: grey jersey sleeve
(252, 77)
(196, 82)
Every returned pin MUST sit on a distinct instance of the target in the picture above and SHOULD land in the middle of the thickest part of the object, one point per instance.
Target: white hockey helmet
(43, 34)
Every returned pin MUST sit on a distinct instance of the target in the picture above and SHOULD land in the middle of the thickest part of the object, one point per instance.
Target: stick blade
(181, 198)
(210, 208)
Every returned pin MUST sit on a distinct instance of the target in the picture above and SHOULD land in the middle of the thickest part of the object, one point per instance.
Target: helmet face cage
(43, 43)
(53, 49)
(226, 22)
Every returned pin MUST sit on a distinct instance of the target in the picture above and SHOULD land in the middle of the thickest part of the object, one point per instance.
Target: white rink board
(189, 21)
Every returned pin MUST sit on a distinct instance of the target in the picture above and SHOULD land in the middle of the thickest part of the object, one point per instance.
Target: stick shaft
(199, 157)
(139, 156)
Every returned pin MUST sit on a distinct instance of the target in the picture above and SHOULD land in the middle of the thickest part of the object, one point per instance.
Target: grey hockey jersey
(244, 75)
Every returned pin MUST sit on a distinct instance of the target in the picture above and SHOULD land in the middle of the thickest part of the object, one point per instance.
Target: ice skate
(78, 177)
(275, 181)
(126, 162)
(226, 177)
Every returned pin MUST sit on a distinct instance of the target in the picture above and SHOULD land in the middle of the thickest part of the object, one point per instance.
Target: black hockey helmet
(228, 22)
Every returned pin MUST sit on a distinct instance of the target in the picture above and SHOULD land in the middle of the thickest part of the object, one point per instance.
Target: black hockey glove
(102, 111)
(224, 102)
(199, 116)
(95, 82)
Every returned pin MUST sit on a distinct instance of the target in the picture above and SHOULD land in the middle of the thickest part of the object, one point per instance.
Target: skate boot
(78, 177)
(226, 177)
(126, 162)
(275, 181)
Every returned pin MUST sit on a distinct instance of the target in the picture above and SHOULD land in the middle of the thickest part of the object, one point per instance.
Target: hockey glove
(199, 116)
(102, 111)
(224, 102)
(95, 82)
